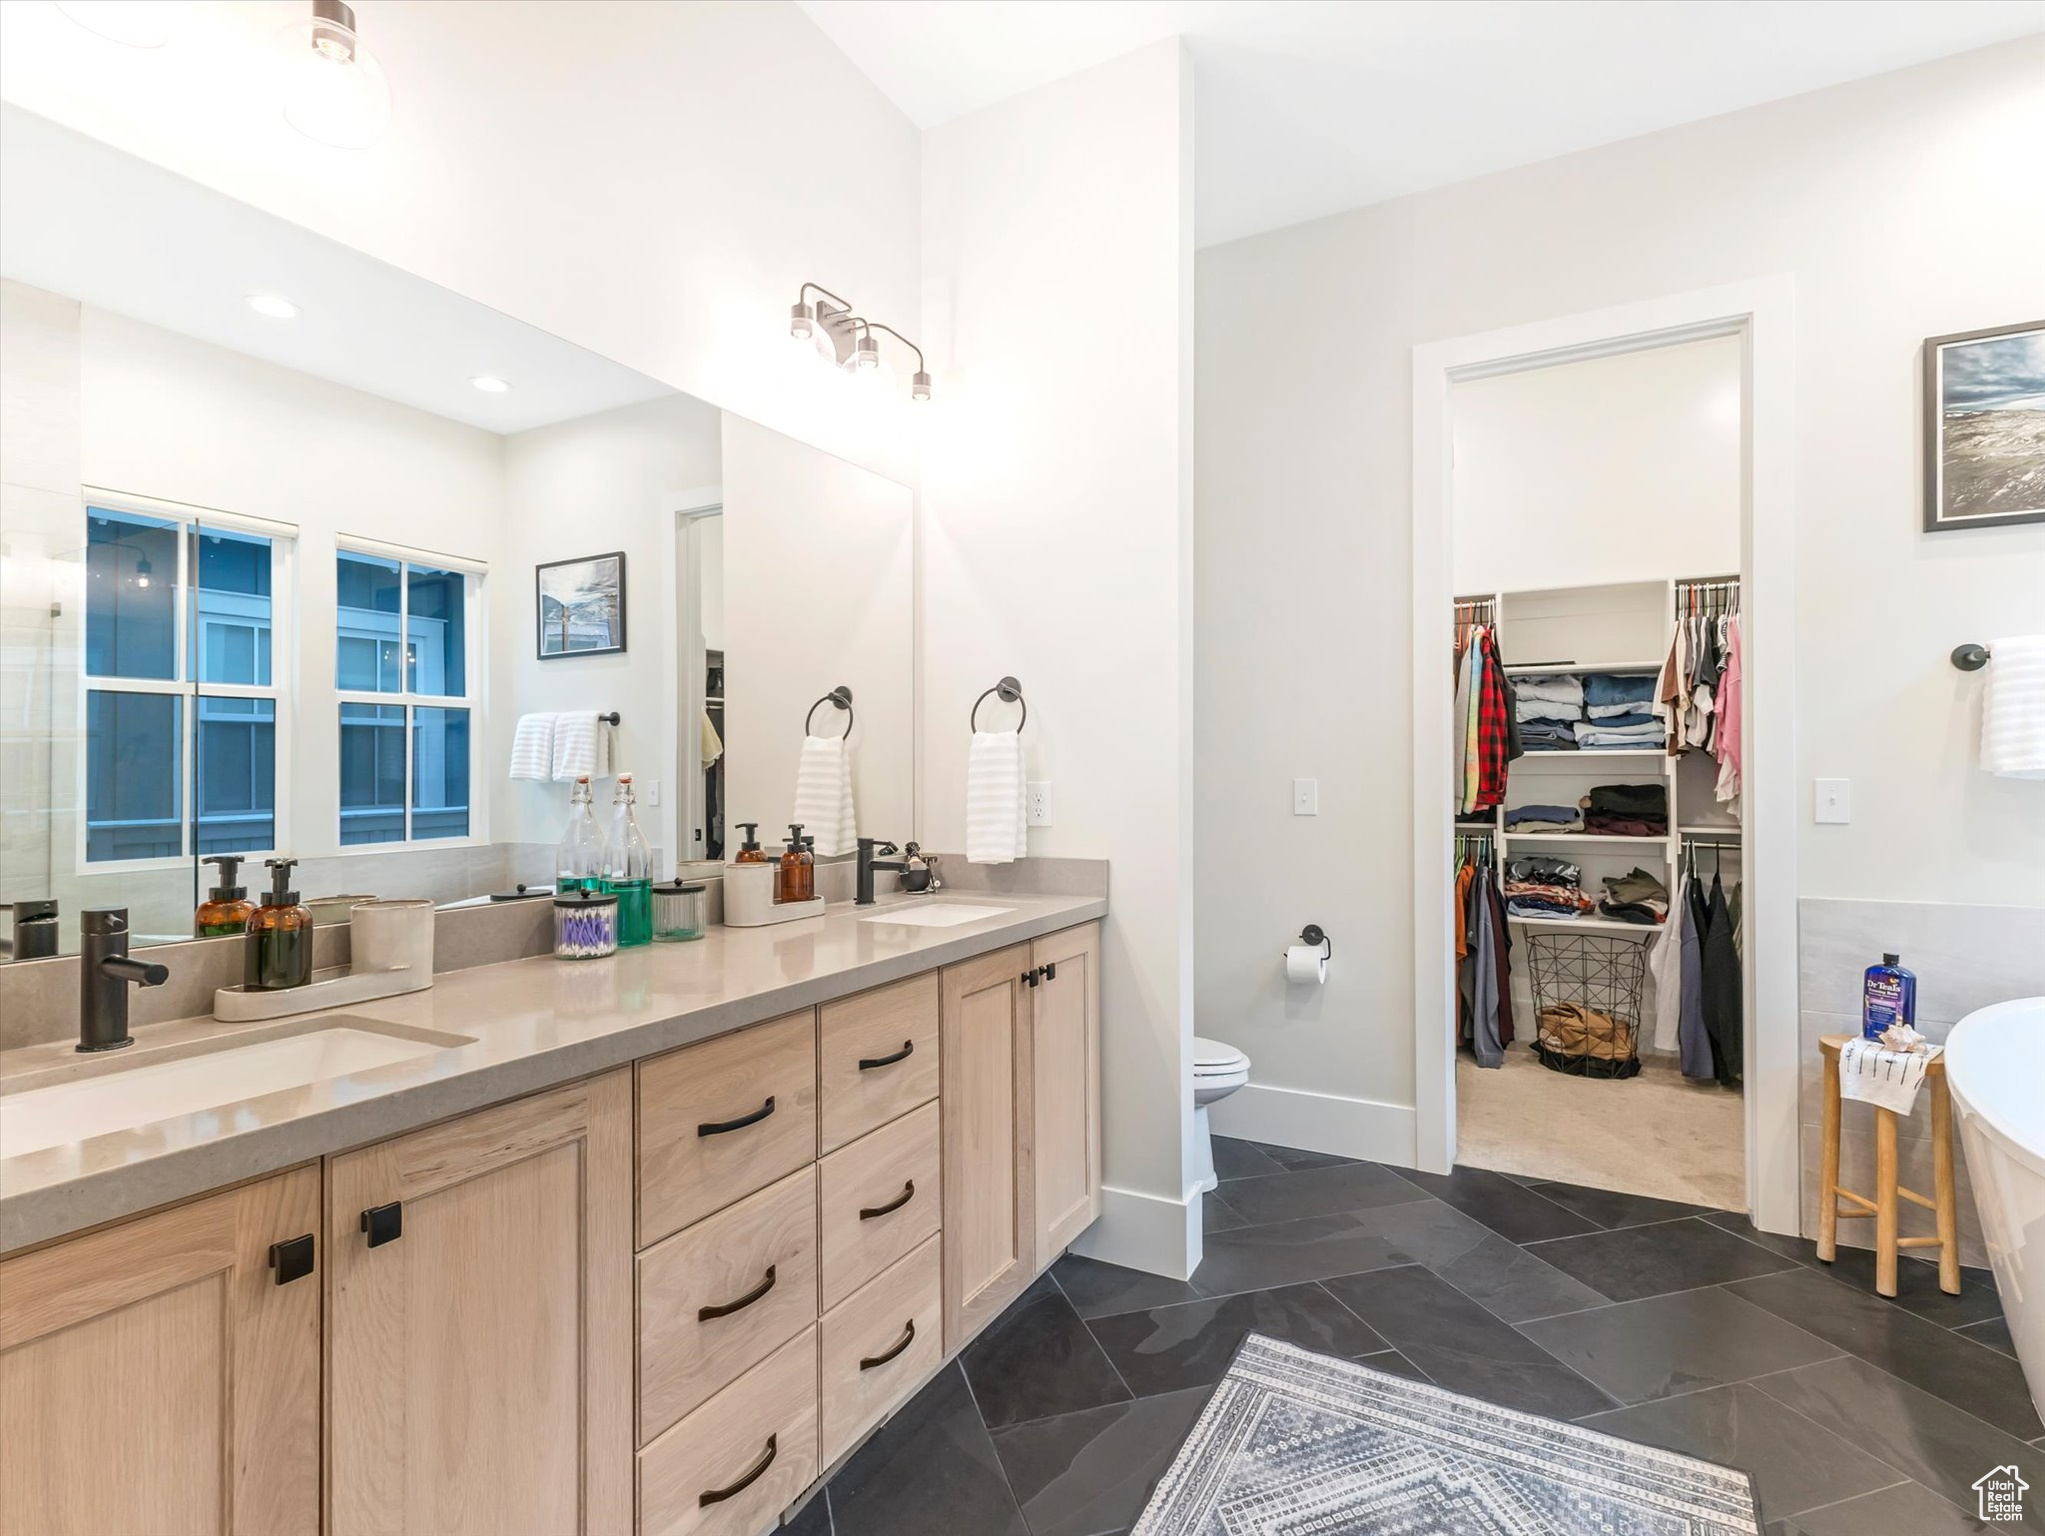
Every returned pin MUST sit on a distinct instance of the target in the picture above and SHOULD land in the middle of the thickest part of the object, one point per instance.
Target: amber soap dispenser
(226, 908)
(798, 873)
(279, 953)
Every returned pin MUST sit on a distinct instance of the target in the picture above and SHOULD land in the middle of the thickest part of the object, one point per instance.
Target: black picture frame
(615, 631)
(2025, 438)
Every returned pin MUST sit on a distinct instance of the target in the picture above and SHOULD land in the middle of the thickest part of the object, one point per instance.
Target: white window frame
(184, 683)
(475, 648)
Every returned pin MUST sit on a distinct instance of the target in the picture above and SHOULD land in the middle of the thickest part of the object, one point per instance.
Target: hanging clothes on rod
(1484, 1022)
(1486, 719)
(1699, 1007)
(1698, 695)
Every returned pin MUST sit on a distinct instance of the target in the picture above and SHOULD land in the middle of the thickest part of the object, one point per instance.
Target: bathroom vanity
(662, 1241)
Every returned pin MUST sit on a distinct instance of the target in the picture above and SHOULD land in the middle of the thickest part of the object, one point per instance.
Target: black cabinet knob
(292, 1259)
(384, 1223)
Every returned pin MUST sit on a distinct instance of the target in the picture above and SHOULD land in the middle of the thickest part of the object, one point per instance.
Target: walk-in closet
(1598, 684)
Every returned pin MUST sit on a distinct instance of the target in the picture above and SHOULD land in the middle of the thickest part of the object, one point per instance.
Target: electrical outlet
(1834, 800)
(1306, 797)
(1040, 802)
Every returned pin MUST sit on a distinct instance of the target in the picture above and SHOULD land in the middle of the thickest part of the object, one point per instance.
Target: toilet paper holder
(1314, 934)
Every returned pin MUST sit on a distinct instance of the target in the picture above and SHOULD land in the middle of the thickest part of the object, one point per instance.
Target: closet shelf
(1703, 830)
(1587, 925)
(1581, 837)
(1590, 755)
(1541, 667)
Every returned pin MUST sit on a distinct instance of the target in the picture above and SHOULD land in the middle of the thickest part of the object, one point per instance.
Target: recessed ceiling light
(274, 305)
(490, 385)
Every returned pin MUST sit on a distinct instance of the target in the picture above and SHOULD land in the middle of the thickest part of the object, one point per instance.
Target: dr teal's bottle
(628, 870)
(1888, 995)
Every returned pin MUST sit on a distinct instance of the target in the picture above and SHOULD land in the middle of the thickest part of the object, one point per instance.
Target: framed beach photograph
(1984, 428)
(581, 606)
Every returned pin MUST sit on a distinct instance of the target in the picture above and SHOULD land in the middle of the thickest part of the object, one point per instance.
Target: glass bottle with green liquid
(579, 862)
(628, 869)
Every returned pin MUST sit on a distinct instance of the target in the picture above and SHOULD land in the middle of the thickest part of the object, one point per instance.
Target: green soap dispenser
(279, 953)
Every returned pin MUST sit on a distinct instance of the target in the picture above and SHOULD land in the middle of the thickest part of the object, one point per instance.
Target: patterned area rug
(1298, 1444)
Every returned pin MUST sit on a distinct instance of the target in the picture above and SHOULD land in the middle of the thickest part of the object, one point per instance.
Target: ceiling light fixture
(273, 306)
(846, 339)
(334, 89)
(489, 384)
(133, 23)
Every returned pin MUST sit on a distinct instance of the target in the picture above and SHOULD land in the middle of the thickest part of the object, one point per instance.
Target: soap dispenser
(279, 953)
(749, 850)
(798, 877)
(226, 908)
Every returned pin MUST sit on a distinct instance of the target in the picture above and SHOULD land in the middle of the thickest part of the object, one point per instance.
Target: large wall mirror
(291, 543)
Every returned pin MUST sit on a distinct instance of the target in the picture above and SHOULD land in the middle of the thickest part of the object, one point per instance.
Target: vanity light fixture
(846, 339)
(273, 306)
(489, 384)
(334, 89)
(143, 569)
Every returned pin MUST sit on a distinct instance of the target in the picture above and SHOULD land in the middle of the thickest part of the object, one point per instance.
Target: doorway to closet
(1591, 587)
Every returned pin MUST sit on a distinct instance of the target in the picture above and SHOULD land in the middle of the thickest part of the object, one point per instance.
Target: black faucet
(868, 864)
(104, 974)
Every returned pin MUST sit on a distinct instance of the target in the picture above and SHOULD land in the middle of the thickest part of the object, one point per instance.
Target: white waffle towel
(532, 748)
(823, 795)
(2013, 708)
(582, 744)
(1872, 1073)
(996, 831)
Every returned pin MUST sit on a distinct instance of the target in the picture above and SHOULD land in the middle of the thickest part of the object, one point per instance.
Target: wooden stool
(1831, 1198)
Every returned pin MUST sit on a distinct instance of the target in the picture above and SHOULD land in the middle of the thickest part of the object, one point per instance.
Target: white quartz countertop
(535, 1023)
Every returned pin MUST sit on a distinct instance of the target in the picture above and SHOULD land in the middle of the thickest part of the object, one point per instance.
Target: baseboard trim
(1318, 1122)
(1142, 1231)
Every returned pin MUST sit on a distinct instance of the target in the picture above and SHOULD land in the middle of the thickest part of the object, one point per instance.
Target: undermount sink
(181, 1081)
(935, 914)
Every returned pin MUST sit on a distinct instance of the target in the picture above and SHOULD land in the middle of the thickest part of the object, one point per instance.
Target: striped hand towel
(995, 813)
(1872, 1073)
(823, 795)
(532, 748)
(582, 744)
(2013, 709)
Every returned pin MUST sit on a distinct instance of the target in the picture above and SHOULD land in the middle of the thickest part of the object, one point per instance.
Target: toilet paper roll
(1306, 965)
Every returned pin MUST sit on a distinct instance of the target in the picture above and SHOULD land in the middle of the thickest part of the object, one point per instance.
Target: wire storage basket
(1587, 991)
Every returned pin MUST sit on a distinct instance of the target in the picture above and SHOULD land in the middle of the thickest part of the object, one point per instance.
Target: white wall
(1057, 515)
(1607, 469)
(587, 487)
(1889, 203)
(652, 182)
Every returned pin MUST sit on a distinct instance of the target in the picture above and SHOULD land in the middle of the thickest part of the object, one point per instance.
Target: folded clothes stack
(1549, 708)
(1627, 810)
(1619, 710)
(1536, 887)
(1635, 898)
(1544, 818)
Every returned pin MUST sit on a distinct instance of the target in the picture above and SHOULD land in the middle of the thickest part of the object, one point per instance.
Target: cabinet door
(1066, 1049)
(990, 1230)
(479, 1355)
(157, 1376)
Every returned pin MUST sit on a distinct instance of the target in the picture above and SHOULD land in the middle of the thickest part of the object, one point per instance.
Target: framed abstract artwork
(581, 606)
(1984, 428)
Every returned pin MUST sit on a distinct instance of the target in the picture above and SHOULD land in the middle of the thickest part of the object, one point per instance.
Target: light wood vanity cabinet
(1065, 1053)
(156, 1376)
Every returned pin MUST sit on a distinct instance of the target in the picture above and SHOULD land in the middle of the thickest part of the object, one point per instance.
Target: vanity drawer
(877, 1058)
(753, 1267)
(752, 1449)
(724, 1118)
(878, 1199)
(879, 1344)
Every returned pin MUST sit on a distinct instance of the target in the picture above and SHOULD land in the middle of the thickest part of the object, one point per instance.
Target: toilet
(1218, 1071)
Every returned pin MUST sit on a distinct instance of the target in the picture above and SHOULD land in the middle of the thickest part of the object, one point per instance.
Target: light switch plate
(1306, 797)
(1040, 803)
(1833, 800)
(653, 791)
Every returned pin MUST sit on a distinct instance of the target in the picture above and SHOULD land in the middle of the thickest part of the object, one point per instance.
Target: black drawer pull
(384, 1223)
(868, 1063)
(719, 1495)
(292, 1258)
(908, 1193)
(908, 1338)
(705, 1314)
(719, 1127)
(1051, 971)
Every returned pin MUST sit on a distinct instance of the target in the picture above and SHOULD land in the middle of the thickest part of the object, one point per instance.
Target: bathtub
(1995, 1066)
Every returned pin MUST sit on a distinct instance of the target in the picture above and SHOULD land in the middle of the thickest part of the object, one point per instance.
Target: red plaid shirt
(1491, 730)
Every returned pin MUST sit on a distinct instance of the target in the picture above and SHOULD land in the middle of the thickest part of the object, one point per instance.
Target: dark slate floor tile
(1798, 1248)
(1296, 1158)
(1316, 1192)
(1096, 1289)
(1392, 1363)
(1633, 1262)
(1215, 1216)
(1460, 1346)
(1288, 1252)
(1908, 1509)
(1917, 1287)
(1235, 1159)
(1038, 1359)
(1514, 1284)
(1795, 1463)
(813, 1519)
(1965, 1373)
(1168, 1349)
(1510, 1209)
(1642, 1350)
(1085, 1473)
(1920, 1435)
(1994, 1333)
(1609, 1208)
(929, 1471)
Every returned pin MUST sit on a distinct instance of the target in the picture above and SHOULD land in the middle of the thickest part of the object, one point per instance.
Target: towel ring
(1970, 658)
(840, 696)
(1011, 693)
